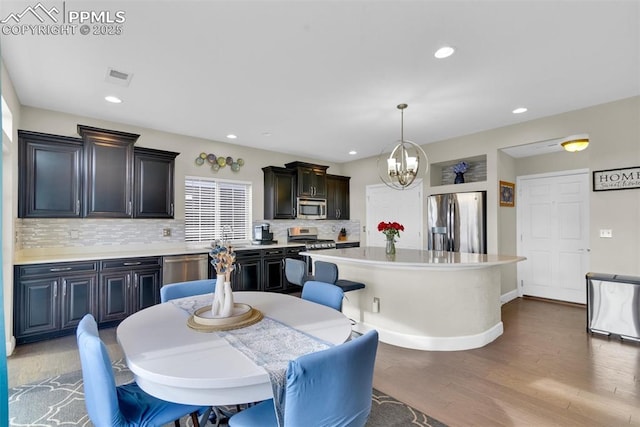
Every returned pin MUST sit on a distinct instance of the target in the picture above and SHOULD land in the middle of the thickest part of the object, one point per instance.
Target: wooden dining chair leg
(176, 423)
(194, 419)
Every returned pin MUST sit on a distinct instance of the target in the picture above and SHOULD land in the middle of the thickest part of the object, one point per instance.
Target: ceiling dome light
(444, 52)
(519, 110)
(406, 162)
(113, 99)
(575, 143)
(232, 136)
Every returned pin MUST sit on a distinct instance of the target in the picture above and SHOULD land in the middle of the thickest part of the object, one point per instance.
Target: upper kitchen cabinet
(279, 193)
(108, 172)
(49, 180)
(154, 184)
(337, 197)
(311, 179)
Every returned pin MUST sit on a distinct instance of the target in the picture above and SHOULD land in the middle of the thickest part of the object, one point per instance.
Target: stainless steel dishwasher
(183, 268)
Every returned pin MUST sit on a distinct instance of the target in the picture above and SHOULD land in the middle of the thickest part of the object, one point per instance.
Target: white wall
(614, 131)
(9, 206)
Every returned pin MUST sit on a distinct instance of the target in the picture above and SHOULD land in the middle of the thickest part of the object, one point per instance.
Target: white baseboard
(435, 343)
(509, 296)
(10, 345)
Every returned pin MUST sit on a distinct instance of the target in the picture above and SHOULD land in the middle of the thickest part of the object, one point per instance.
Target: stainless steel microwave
(311, 208)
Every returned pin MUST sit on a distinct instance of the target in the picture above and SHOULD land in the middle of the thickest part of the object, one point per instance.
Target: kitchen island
(426, 300)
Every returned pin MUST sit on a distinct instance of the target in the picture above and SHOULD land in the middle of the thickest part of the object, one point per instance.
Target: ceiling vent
(118, 77)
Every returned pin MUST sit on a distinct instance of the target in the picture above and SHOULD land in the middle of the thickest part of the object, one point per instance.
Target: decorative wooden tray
(243, 315)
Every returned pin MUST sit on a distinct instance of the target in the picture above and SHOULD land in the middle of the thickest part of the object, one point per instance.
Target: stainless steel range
(309, 236)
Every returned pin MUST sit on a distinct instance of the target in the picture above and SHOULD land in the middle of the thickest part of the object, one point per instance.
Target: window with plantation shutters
(216, 209)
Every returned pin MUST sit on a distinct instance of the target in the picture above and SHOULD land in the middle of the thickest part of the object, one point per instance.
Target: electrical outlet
(166, 232)
(375, 306)
(606, 233)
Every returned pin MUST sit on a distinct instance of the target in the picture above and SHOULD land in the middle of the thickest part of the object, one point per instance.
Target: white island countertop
(413, 258)
(426, 300)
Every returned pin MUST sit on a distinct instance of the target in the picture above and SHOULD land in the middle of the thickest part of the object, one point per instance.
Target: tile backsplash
(69, 233)
(327, 229)
(63, 233)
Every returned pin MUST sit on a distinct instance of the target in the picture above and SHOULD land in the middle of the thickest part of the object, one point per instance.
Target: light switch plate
(606, 233)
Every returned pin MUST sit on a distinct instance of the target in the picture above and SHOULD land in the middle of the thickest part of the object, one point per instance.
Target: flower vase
(227, 306)
(459, 178)
(222, 305)
(390, 248)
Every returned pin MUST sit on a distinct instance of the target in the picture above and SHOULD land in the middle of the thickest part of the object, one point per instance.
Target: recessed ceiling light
(519, 110)
(353, 152)
(444, 52)
(113, 99)
(231, 136)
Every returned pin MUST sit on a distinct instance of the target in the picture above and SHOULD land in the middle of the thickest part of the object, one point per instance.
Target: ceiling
(320, 78)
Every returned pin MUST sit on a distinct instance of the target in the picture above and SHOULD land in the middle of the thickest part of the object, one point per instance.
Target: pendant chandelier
(406, 162)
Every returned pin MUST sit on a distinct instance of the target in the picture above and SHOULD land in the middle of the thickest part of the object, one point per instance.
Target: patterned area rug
(59, 401)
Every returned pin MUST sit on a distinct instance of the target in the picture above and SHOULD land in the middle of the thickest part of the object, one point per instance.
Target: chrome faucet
(226, 233)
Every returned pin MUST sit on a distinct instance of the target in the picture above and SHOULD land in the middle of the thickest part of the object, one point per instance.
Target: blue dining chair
(187, 289)
(126, 405)
(323, 293)
(328, 388)
(328, 272)
(295, 271)
(324, 271)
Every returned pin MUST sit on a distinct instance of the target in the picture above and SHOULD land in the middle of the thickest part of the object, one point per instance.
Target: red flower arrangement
(390, 229)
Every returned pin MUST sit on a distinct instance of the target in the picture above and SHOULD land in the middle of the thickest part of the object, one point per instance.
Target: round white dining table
(173, 362)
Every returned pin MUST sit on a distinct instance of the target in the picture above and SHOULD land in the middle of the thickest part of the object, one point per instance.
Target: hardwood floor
(545, 370)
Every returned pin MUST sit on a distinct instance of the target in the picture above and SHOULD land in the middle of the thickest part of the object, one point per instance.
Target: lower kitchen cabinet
(247, 275)
(50, 299)
(127, 286)
(273, 269)
(263, 269)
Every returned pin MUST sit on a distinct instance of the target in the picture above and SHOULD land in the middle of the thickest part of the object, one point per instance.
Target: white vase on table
(227, 304)
(222, 305)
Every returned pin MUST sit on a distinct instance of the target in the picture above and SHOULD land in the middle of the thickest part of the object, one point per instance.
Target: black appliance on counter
(262, 235)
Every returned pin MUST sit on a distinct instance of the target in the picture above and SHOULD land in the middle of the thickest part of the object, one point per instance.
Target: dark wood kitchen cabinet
(126, 286)
(273, 269)
(108, 178)
(50, 172)
(100, 176)
(337, 197)
(247, 275)
(153, 183)
(311, 179)
(279, 193)
(51, 299)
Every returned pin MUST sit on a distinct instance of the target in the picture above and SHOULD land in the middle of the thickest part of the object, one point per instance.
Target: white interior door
(553, 230)
(403, 206)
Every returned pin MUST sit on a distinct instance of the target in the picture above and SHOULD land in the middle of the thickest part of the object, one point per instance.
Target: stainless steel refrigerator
(457, 222)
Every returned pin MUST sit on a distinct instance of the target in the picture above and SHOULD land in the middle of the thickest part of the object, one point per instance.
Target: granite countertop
(411, 258)
(90, 253)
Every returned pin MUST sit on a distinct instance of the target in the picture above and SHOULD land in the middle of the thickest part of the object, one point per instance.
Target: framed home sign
(507, 194)
(616, 179)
